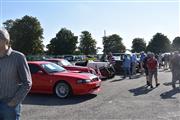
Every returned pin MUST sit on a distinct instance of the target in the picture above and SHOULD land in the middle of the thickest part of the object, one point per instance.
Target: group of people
(149, 64)
(16, 81)
(171, 62)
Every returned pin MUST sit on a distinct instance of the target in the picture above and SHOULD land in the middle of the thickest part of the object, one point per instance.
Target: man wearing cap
(15, 79)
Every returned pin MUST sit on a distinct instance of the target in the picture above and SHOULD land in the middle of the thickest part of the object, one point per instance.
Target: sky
(128, 18)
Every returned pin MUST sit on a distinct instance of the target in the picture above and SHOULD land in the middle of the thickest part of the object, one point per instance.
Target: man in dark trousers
(152, 65)
(15, 79)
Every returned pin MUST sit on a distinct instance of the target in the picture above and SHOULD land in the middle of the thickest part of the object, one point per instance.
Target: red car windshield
(52, 68)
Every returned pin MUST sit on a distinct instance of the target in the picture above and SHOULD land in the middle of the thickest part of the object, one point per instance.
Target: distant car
(50, 78)
(119, 57)
(73, 58)
(68, 66)
(104, 68)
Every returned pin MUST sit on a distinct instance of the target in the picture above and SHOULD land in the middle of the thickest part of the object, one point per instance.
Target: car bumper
(88, 88)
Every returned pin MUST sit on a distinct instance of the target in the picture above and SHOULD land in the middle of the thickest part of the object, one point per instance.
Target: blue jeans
(9, 113)
(127, 72)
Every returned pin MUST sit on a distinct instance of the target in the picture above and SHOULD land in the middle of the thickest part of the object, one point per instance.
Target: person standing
(133, 63)
(152, 65)
(127, 66)
(166, 62)
(15, 79)
(142, 57)
(175, 68)
(146, 68)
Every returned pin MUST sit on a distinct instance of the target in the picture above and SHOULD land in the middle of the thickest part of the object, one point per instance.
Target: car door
(42, 82)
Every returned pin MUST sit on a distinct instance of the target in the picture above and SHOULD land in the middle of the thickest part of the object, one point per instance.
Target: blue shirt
(127, 62)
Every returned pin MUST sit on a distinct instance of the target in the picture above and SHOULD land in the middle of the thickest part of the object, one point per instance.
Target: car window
(34, 68)
(52, 67)
(65, 63)
(120, 56)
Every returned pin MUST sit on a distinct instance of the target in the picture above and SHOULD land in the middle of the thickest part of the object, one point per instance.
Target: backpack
(152, 64)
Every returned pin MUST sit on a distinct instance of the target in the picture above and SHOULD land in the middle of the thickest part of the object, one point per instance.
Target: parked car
(73, 58)
(68, 66)
(105, 69)
(119, 57)
(50, 78)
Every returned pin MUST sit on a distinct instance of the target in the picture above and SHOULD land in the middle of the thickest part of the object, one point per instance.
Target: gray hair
(4, 35)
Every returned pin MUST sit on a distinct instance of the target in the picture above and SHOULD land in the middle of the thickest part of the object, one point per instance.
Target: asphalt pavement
(119, 99)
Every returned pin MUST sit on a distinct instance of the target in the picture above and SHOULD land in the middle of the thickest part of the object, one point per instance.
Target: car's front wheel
(62, 90)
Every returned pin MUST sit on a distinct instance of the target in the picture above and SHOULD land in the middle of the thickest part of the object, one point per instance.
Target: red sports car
(68, 66)
(50, 78)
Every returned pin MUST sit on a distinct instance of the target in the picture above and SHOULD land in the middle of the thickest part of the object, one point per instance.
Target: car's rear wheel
(62, 90)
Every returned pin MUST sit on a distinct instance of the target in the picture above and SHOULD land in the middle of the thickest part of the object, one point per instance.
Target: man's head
(149, 54)
(152, 55)
(4, 36)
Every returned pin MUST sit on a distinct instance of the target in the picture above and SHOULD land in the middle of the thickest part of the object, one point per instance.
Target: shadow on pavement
(49, 100)
(136, 76)
(127, 78)
(168, 71)
(117, 80)
(141, 90)
(169, 94)
(167, 83)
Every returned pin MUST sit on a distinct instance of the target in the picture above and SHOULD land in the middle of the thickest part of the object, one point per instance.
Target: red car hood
(76, 75)
(77, 67)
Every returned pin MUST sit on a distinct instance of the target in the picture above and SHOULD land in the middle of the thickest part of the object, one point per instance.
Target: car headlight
(92, 71)
(83, 81)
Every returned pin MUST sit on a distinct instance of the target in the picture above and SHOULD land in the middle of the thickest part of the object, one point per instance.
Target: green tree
(64, 43)
(138, 45)
(176, 44)
(26, 35)
(87, 44)
(113, 43)
(159, 44)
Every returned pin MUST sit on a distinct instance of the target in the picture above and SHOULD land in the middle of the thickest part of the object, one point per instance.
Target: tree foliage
(87, 44)
(138, 45)
(26, 35)
(64, 43)
(159, 44)
(113, 43)
(176, 44)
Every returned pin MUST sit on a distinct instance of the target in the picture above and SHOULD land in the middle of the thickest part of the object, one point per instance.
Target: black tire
(62, 90)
